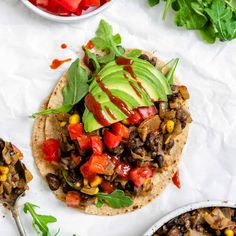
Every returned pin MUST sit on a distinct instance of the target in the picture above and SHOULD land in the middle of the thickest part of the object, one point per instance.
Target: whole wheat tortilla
(48, 127)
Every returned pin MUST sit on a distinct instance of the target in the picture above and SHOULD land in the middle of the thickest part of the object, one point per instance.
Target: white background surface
(28, 44)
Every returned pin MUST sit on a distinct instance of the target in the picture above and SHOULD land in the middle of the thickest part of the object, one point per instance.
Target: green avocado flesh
(148, 85)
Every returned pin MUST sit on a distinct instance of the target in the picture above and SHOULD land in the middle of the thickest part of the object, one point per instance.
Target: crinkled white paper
(28, 44)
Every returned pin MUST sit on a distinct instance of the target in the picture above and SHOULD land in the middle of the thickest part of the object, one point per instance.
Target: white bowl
(185, 209)
(66, 19)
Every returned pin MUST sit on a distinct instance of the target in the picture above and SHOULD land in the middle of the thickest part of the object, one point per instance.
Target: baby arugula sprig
(215, 19)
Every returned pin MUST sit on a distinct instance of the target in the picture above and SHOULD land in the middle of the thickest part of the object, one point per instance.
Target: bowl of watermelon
(67, 10)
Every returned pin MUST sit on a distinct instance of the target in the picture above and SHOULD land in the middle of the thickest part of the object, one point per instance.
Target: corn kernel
(90, 191)
(74, 119)
(63, 124)
(4, 170)
(3, 178)
(170, 126)
(147, 181)
(85, 182)
(97, 180)
(229, 232)
(125, 122)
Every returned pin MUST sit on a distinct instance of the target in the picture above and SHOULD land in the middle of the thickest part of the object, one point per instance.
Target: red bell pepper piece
(135, 118)
(96, 144)
(111, 140)
(107, 187)
(120, 129)
(70, 5)
(84, 142)
(76, 131)
(73, 199)
(139, 174)
(123, 169)
(146, 112)
(97, 164)
(90, 3)
(176, 180)
(50, 149)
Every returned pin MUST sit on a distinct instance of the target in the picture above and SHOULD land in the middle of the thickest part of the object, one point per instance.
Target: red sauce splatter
(57, 63)
(110, 113)
(122, 61)
(117, 101)
(96, 109)
(63, 46)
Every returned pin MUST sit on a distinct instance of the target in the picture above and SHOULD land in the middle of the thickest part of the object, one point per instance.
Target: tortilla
(48, 127)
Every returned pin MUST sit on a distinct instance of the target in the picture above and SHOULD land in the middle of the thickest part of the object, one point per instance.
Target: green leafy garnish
(94, 60)
(214, 19)
(153, 3)
(170, 74)
(116, 199)
(40, 222)
(76, 88)
(106, 42)
(134, 53)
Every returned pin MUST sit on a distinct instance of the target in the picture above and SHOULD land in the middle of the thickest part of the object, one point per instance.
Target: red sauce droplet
(57, 63)
(63, 46)
(96, 109)
(89, 45)
(152, 100)
(117, 101)
(110, 113)
(122, 61)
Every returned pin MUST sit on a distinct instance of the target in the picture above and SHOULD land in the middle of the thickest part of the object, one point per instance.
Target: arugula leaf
(94, 60)
(153, 3)
(40, 222)
(223, 19)
(116, 199)
(134, 53)
(170, 74)
(208, 33)
(105, 41)
(73, 92)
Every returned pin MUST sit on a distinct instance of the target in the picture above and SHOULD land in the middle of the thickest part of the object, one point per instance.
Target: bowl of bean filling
(198, 219)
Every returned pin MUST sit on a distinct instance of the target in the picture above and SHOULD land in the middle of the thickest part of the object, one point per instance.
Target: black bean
(153, 61)
(169, 145)
(159, 160)
(144, 57)
(53, 181)
(129, 186)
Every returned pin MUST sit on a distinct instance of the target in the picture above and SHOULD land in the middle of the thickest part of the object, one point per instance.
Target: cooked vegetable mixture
(118, 127)
(201, 222)
(13, 174)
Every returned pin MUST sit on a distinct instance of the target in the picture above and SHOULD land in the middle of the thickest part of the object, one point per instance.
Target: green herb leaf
(94, 60)
(40, 222)
(170, 74)
(105, 41)
(73, 92)
(99, 203)
(153, 3)
(134, 53)
(116, 199)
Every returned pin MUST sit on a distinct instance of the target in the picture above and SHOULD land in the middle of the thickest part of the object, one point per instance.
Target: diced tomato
(76, 130)
(107, 187)
(96, 144)
(79, 11)
(176, 180)
(120, 129)
(146, 112)
(115, 160)
(70, 5)
(111, 140)
(84, 142)
(90, 3)
(89, 45)
(139, 174)
(135, 118)
(104, 1)
(123, 169)
(61, 11)
(52, 6)
(73, 199)
(97, 164)
(76, 159)
(51, 149)
(42, 3)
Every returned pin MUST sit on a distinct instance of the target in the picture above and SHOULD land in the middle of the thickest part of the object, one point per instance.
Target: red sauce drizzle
(63, 46)
(110, 113)
(57, 63)
(96, 109)
(118, 102)
(122, 61)
(135, 89)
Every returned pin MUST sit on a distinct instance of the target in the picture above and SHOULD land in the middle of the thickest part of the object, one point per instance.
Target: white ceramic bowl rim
(64, 18)
(185, 209)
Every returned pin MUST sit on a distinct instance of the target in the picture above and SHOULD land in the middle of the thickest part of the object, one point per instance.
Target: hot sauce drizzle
(122, 61)
(63, 46)
(96, 109)
(110, 113)
(57, 63)
(117, 101)
(135, 89)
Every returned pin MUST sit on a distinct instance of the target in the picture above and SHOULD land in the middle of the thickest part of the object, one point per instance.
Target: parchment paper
(29, 43)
